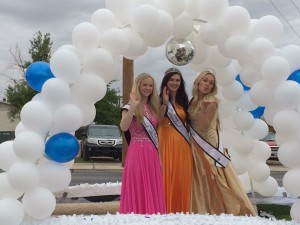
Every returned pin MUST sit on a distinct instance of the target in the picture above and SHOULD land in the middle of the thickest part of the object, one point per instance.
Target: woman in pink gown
(142, 188)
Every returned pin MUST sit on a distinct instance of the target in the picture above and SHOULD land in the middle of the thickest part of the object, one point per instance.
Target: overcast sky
(20, 20)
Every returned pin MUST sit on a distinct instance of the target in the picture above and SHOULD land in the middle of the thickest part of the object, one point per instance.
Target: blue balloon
(258, 112)
(238, 78)
(37, 74)
(62, 147)
(295, 76)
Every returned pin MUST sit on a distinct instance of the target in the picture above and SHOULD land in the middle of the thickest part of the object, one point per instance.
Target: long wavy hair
(195, 103)
(153, 99)
(181, 95)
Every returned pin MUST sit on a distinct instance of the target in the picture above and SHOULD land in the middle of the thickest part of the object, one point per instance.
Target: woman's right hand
(165, 95)
(134, 99)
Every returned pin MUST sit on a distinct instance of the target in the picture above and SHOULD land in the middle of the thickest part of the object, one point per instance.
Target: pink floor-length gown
(142, 188)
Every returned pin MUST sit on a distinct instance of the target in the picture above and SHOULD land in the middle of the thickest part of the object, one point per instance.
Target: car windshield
(104, 131)
(269, 137)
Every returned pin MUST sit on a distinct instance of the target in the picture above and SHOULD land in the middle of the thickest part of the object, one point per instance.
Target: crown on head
(172, 70)
(210, 70)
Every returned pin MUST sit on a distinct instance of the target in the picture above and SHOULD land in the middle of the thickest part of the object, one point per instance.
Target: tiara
(210, 70)
(172, 70)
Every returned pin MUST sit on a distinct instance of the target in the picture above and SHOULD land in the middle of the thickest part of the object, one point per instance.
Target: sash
(216, 154)
(151, 131)
(148, 126)
(177, 122)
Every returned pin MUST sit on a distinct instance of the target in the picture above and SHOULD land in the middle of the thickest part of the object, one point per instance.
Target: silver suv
(101, 140)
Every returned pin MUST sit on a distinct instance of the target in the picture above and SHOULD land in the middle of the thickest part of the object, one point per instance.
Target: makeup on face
(174, 82)
(206, 83)
(146, 87)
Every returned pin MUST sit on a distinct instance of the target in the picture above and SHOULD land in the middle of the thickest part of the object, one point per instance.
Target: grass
(280, 212)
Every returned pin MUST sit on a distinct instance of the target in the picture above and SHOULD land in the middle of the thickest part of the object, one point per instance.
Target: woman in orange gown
(175, 150)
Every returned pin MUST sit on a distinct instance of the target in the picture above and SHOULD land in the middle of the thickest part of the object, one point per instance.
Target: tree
(19, 93)
(108, 108)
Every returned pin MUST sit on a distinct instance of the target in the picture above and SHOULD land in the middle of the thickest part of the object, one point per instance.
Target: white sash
(150, 129)
(177, 122)
(217, 154)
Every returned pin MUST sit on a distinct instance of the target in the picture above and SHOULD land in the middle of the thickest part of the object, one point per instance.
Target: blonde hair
(195, 104)
(153, 99)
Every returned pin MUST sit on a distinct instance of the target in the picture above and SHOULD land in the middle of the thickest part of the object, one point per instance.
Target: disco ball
(180, 52)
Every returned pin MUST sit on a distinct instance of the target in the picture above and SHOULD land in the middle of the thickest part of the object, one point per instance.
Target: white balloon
(98, 61)
(250, 74)
(29, 146)
(135, 43)
(121, 9)
(211, 33)
(261, 93)
(193, 8)
(275, 69)
(240, 162)
(7, 155)
(85, 36)
(114, 40)
(259, 130)
(104, 19)
(88, 110)
(66, 65)
(291, 181)
(291, 53)
(229, 137)
(260, 49)
(261, 151)
(226, 123)
(6, 191)
(55, 92)
(286, 122)
(54, 176)
(287, 94)
(259, 171)
(233, 91)
(226, 108)
(11, 212)
(23, 176)
(269, 27)
(175, 8)
(245, 102)
(295, 209)
(183, 26)
(19, 129)
(288, 154)
(236, 19)
(236, 46)
(68, 118)
(214, 9)
(217, 59)
(267, 187)
(244, 145)
(245, 180)
(39, 203)
(144, 18)
(89, 88)
(201, 50)
(243, 120)
(226, 76)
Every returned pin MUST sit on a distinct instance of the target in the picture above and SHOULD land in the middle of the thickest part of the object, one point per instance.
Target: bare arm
(206, 114)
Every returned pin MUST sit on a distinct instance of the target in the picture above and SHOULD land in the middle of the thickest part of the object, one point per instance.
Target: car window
(104, 131)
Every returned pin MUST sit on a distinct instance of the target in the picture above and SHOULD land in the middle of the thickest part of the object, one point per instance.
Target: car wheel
(120, 158)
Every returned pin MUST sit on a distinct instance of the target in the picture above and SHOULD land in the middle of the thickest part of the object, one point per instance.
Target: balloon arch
(255, 77)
